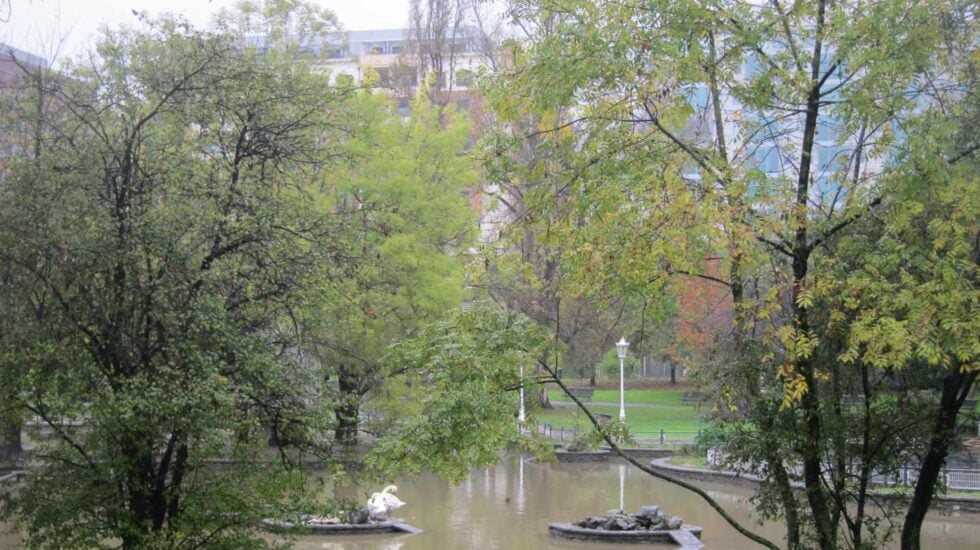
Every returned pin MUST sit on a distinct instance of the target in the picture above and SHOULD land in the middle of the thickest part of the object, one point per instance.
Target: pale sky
(35, 24)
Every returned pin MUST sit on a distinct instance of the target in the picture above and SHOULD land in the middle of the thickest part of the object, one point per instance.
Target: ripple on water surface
(508, 507)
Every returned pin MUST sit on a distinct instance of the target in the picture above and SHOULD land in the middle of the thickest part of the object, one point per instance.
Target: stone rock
(649, 518)
(617, 524)
(590, 523)
(649, 512)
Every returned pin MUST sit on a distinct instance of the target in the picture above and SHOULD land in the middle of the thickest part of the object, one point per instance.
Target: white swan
(380, 505)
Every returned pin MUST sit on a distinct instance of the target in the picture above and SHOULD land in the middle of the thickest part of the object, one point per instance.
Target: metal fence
(641, 439)
(954, 479)
(653, 368)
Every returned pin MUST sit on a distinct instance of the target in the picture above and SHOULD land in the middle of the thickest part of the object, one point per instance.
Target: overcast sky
(34, 23)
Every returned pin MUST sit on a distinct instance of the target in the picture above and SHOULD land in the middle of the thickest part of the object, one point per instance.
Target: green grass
(655, 397)
(638, 419)
(693, 460)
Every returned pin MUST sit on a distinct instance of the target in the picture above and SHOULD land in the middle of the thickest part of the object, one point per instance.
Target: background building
(15, 65)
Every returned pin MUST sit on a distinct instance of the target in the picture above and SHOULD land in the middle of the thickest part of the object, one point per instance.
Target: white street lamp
(521, 415)
(621, 348)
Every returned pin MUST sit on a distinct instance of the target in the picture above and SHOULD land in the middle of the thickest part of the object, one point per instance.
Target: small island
(646, 526)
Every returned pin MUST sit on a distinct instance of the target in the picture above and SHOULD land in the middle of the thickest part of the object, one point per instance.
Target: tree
(168, 246)
(468, 364)
(913, 300)
(610, 366)
(702, 321)
(760, 134)
(406, 225)
(25, 81)
(435, 27)
(524, 252)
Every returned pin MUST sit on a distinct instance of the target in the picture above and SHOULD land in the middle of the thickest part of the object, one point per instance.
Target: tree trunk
(10, 446)
(347, 409)
(812, 446)
(543, 400)
(789, 502)
(11, 425)
(673, 373)
(956, 386)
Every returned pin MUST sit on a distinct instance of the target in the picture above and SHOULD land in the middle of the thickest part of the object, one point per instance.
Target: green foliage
(468, 366)
(609, 367)
(168, 243)
(813, 150)
(398, 194)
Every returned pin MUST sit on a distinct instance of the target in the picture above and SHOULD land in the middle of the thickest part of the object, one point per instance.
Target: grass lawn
(639, 418)
(657, 397)
(692, 460)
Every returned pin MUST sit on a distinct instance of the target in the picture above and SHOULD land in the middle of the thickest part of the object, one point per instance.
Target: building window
(767, 158)
(698, 98)
(831, 158)
(827, 131)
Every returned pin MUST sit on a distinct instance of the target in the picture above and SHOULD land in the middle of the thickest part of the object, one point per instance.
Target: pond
(508, 507)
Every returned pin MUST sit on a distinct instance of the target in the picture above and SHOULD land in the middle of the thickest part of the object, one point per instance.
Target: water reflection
(509, 506)
(520, 486)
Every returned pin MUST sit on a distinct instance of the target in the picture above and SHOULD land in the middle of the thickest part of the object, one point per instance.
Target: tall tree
(756, 133)
(168, 241)
(436, 27)
(26, 100)
(407, 226)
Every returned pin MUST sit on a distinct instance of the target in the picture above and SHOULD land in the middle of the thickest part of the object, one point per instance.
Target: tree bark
(803, 365)
(11, 425)
(347, 409)
(10, 428)
(543, 400)
(956, 386)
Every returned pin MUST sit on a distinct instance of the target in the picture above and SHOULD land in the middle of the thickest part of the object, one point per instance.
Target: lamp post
(521, 415)
(621, 348)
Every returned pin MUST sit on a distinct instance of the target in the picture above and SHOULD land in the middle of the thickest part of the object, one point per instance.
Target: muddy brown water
(508, 507)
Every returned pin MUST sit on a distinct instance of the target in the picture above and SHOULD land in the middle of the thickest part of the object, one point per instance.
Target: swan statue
(380, 505)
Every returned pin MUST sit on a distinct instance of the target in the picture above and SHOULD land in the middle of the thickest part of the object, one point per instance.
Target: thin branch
(698, 275)
(843, 223)
(774, 244)
(646, 469)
